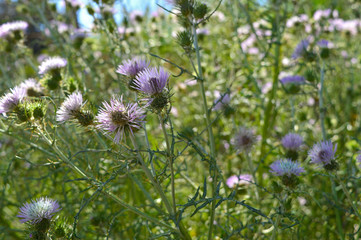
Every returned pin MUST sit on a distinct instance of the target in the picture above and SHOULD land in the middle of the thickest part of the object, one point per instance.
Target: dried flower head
(243, 140)
(116, 117)
(52, 63)
(292, 141)
(12, 99)
(32, 87)
(323, 153)
(7, 28)
(37, 210)
(70, 108)
(131, 68)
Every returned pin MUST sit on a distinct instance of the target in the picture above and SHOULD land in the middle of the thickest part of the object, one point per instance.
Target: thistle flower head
(323, 153)
(151, 81)
(242, 179)
(292, 141)
(70, 108)
(32, 87)
(323, 43)
(8, 28)
(301, 49)
(52, 63)
(244, 140)
(286, 167)
(37, 210)
(12, 99)
(222, 101)
(293, 80)
(132, 67)
(116, 117)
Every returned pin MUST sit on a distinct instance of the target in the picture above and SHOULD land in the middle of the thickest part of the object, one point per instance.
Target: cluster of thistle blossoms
(38, 214)
(150, 82)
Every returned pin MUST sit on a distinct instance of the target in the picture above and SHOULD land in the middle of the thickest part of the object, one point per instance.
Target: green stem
(105, 192)
(210, 131)
(253, 172)
(322, 110)
(348, 196)
(337, 212)
(170, 159)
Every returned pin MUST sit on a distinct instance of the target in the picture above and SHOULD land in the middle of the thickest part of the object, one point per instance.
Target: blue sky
(86, 20)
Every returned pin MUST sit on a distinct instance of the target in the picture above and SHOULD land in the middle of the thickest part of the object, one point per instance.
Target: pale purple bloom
(293, 79)
(222, 102)
(8, 28)
(202, 31)
(116, 117)
(242, 179)
(151, 81)
(322, 14)
(32, 87)
(322, 152)
(286, 167)
(358, 158)
(292, 141)
(136, 15)
(52, 63)
(323, 43)
(75, 3)
(10, 100)
(243, 140)
(300, 49)
(132, 67)
(70, 108)
(37, 210)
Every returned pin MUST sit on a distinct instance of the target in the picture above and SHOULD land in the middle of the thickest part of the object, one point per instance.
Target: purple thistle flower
(243, 179)
(323, 43)
(300, 49)
(132, 67)
(52, 63)
(286, 167)
(293, 79)
(116, 117)
(70, 108)
(32, 87)
(292, 141)
(222, 102)
(39, 209)
(151, 81)
(322, 152)
(243, 140)
(8, 28)
(12, 99)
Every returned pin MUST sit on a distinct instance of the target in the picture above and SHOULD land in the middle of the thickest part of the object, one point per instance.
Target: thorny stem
(105, 192)
(184, 233)
(210, 131)
(170, 159)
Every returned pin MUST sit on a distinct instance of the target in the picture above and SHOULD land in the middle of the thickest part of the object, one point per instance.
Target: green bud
(85, 118)
(185, 40)
(160, 101)
(333, 165)
(290, 181)
(200, 11)
(325, 53)
(39, 110)
(310, 75)
(23, 112)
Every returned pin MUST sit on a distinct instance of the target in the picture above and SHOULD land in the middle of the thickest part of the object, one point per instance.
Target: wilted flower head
(32, 87)
(286, 167)
(12, 99)
(39, 209)
(132, 67)
(52, 63)
(242, 179)
(243, 140)
(222, 102)
(70, 108)
(8, 28)
(300, 49)
(292, 141)
(116, 117)
(293, 79)
(323, 153)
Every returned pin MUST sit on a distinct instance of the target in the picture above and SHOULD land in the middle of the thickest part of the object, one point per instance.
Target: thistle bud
(185, 40)
(23, 112)
(200, 11)
(39, 110)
